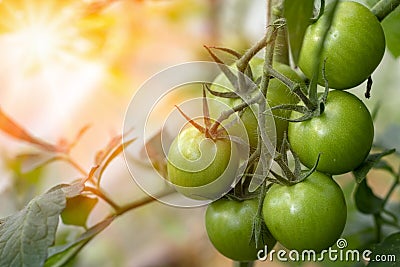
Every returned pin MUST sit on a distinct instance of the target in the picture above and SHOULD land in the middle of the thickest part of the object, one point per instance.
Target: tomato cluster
(308, 212)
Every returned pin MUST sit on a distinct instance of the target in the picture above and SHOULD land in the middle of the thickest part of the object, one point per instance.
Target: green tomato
(229, 225)
(199, 167)
(277, 94)
(308, 215)
(343, 134)
(353, 48)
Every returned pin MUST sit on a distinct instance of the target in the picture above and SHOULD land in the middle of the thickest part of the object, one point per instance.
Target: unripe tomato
(343, 134)
(354, 46)
(277, 94)
(199, 167)
(308, 215)
(229, 225)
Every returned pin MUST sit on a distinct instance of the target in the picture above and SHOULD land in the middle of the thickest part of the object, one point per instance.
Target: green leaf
(392, 34)
(26, 235)
(389, 249)
(78, 210)
(372, 160)
(298, 17)
(366, 201)
(384, 165)
(60, 255)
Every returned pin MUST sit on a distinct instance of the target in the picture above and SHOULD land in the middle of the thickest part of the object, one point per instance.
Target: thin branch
(103, 196)
(141, 202)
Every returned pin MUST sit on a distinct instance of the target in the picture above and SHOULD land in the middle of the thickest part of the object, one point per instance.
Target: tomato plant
(278, 94)
(254, 205)
(229, 225)
(308, 215)
(200, 167)
(343, 134)
(353, 48)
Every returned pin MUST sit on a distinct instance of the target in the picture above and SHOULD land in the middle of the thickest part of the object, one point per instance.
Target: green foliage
(61, 255)
(78, 210)
(26, 235)
(366, 201)
(373, 160)
(391, 28)
(388, 248)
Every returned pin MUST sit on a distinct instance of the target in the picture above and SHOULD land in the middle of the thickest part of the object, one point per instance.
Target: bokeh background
(68, 63)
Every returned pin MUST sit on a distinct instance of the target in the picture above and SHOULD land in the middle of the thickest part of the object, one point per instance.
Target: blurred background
(69, 63)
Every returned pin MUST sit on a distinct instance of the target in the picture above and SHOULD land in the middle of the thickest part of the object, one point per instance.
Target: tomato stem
(392, 188)
(378, 227)
(384, 7)
(243, 264)
(369, 88)
(103, 196)
(294, 87)
(142, 202)
(243, 62)
(227, 113)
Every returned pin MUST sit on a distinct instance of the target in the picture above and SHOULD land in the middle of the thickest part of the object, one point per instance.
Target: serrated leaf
(389, 248)
(60, 255)
(366, 201)
(26, 235)
(392, 34)
(361, 172)
(77, 210)
(298, 17)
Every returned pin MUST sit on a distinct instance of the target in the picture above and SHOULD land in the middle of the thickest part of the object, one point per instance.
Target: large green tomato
(199, 167)
(308, 215)
(229, 226)
(343, 134)
(277, 94)
(354, 46)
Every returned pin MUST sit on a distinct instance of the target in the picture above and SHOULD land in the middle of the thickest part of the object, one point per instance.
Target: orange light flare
(43, 32)
(50, 60)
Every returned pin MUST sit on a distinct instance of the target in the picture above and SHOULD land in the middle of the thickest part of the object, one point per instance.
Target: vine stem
(103, 196)
(243, 264)
(141, 202)
(378, 227)
(384, 7)
(392, 188)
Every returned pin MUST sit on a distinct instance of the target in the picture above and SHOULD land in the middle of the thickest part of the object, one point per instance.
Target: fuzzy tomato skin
(229, 226)
(199, 167)
(343, 134)
(354, 46)
(308, 215)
